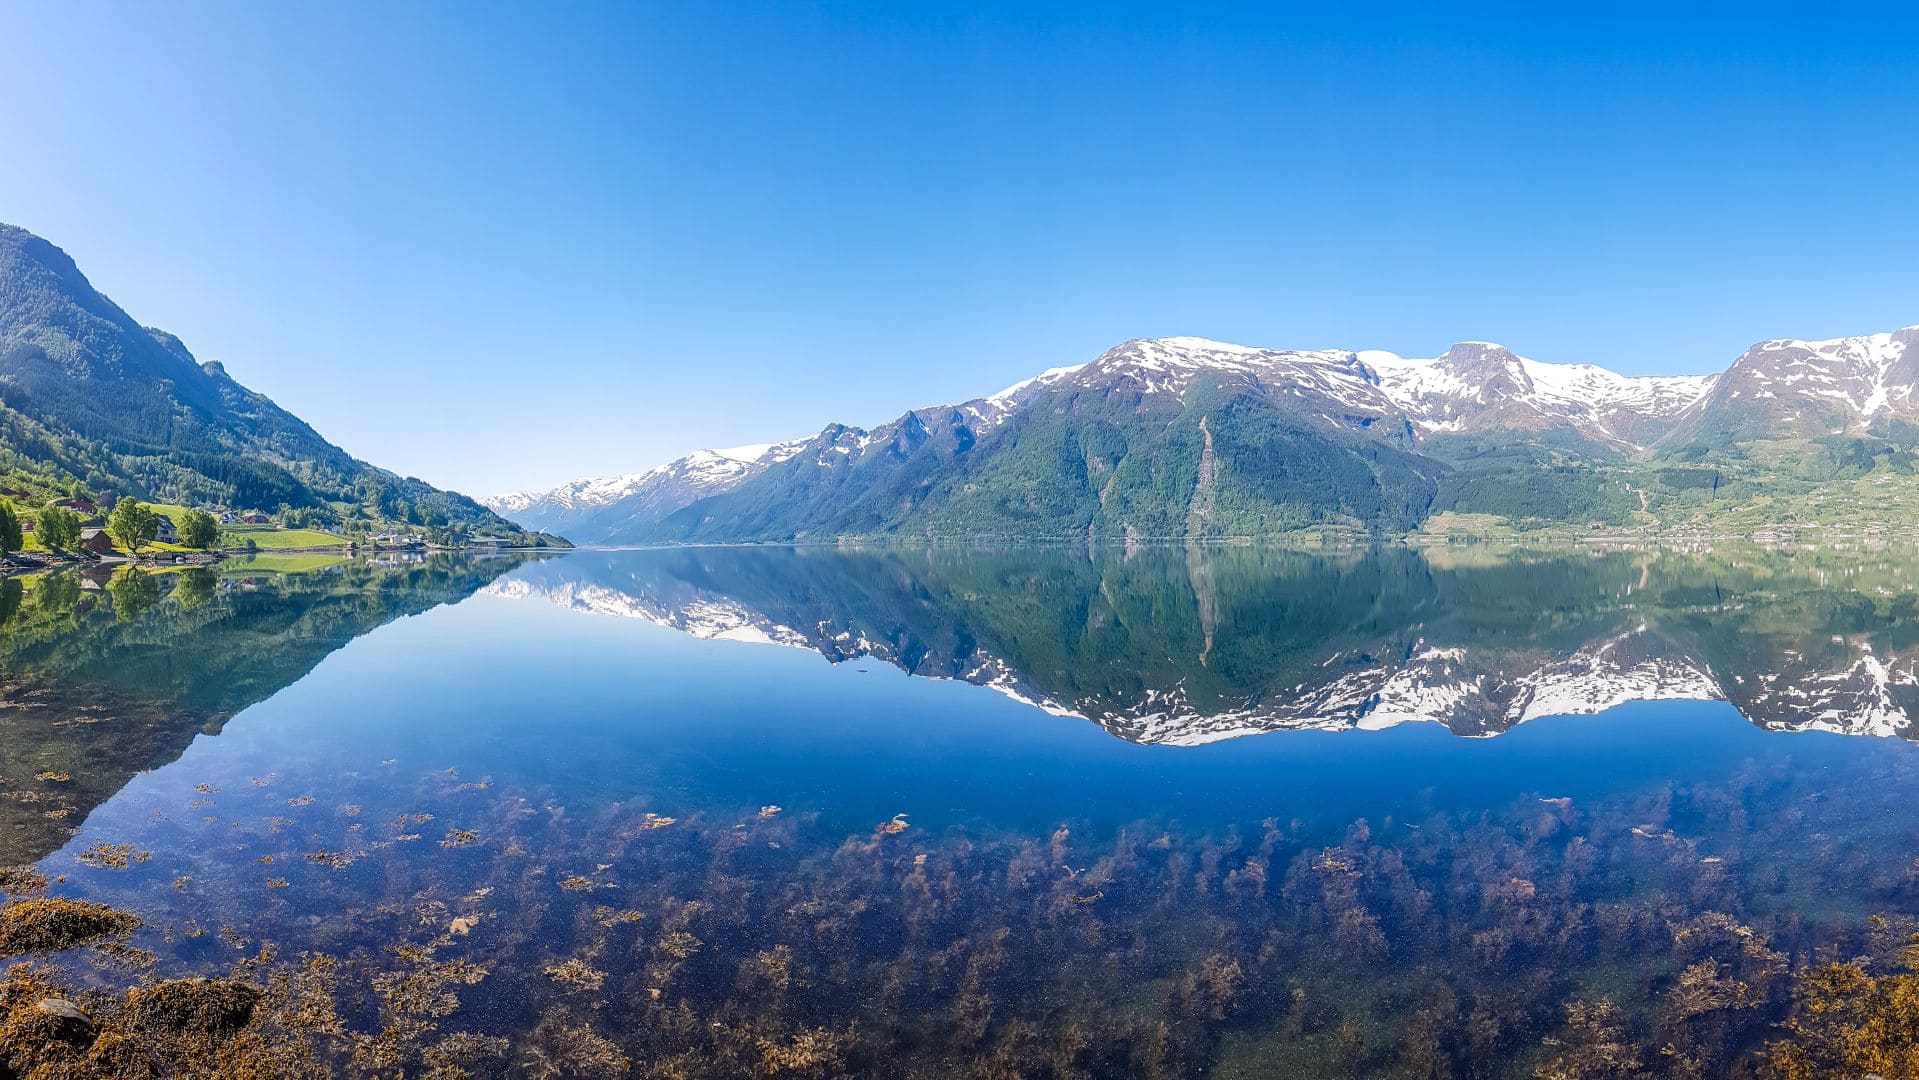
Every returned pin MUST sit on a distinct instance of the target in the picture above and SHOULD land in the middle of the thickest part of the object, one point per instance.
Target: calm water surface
(1163, 812)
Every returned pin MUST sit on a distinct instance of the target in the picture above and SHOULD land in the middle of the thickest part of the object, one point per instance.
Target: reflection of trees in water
(133, 591)
(99, 691)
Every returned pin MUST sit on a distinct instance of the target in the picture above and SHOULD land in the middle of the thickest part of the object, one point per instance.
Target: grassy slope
(263, 536)
(269, 538)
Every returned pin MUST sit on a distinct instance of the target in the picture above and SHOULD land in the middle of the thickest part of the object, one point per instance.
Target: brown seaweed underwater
(504, 934)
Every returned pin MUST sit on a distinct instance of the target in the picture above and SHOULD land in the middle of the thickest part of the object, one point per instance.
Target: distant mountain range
(1183, 646)
(89, 395)
(1184, 438)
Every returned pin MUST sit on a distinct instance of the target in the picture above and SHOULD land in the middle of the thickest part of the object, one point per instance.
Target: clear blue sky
(503, 246)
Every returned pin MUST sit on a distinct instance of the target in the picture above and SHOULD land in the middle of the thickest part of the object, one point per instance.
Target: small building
(164, 530)
(80, 505)
(96, 541)
(253, 517)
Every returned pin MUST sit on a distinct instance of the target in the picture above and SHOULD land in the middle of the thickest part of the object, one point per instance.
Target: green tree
(10, 538)
(59, 528)
(198, 529)
(132, 523)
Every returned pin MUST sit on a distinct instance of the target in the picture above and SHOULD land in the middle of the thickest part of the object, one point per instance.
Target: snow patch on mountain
(511, 502)
(1478, 385)
(1474, 386)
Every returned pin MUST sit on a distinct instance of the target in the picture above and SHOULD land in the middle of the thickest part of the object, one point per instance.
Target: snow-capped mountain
(1789, 387)
(512, 502)
(588, 510)
(1478, 386)
(1188, 438)
(1473, 387)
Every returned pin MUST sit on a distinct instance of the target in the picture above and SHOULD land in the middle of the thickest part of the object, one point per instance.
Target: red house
(96, 541)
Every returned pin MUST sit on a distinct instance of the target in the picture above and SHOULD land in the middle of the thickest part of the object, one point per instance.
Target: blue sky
(504, 246)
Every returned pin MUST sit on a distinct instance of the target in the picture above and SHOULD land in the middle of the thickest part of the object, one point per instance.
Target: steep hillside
(88, 395)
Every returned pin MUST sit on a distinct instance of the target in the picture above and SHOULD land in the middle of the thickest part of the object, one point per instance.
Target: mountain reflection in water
(1186, 646)
(108, 673)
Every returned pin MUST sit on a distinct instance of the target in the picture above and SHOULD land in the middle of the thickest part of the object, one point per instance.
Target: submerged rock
(198, 1006)
(63, 1008)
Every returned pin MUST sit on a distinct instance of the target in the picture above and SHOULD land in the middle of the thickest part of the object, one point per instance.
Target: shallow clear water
(1236, 811)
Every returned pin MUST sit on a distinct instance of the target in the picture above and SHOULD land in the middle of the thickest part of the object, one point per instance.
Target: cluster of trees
(59, 528)
(131, 524)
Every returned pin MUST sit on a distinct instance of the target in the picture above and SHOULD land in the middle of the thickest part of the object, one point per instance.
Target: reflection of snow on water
(1471, 691)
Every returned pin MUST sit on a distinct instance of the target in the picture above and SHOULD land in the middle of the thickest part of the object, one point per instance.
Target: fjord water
(1045, 812)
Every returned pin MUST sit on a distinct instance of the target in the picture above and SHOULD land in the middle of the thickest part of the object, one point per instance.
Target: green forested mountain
(1190, 439)
(88, 395)
(1220, 464)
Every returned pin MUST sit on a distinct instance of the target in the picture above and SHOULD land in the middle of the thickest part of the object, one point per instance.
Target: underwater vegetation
(439, 927)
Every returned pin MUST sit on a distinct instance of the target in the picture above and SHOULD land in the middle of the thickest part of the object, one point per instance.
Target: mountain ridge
(1476, 429)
